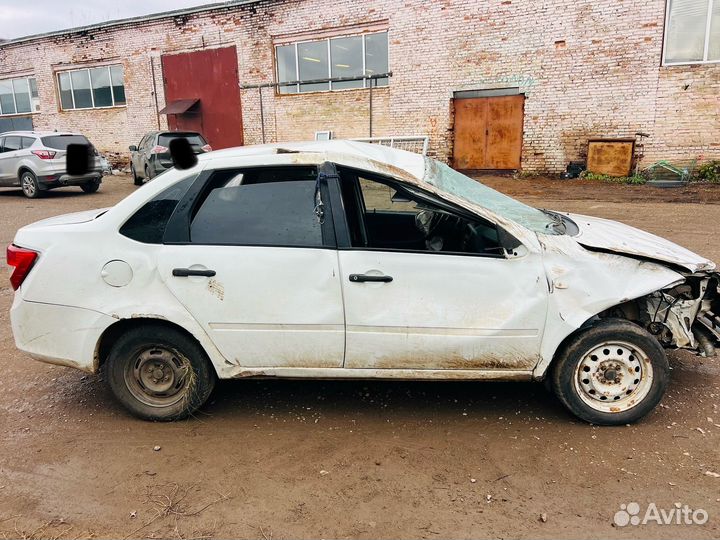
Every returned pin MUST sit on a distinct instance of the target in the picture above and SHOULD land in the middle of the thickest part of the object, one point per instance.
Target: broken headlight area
(685, 316)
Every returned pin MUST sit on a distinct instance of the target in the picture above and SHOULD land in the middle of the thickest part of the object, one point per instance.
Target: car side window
(11, 144)
(382, 214)
(2, 144)
(147, 225)
(27, 142)
(264, 206)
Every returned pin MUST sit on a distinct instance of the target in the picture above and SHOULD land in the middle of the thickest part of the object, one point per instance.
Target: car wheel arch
(545, 365)
(23, 169)
(111, 334)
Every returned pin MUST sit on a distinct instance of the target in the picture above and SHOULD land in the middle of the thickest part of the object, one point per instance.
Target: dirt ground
(325, 459)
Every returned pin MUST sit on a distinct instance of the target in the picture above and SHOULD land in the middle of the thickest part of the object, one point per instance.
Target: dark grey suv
(152, 155)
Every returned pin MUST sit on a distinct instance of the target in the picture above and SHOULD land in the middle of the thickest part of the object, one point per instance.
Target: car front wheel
(612, 372)
(159, 373)
(136, 179)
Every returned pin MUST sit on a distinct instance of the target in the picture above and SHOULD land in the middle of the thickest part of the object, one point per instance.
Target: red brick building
(509, 83)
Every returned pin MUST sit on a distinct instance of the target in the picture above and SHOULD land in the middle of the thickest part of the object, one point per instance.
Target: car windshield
(455, 183)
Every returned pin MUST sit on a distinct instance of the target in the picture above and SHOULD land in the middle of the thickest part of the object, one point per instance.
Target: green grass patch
(635, 180)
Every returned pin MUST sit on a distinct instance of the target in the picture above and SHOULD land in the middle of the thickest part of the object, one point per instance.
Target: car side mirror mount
(509, 243)
(132, 148)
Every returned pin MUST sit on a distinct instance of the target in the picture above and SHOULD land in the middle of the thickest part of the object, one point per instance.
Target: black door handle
(185, 272)
(361, 278)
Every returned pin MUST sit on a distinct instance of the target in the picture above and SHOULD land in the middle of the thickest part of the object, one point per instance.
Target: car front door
(136, 156)
(257, 267)
(434, 301)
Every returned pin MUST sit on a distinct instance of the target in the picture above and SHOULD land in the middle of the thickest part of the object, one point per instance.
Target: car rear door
(3, 174)
(257, 268)
(409, 307)
(10, 147)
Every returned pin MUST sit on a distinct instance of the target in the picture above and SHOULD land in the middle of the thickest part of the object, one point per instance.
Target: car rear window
(193, 138)
(61, 142)
(147, 225)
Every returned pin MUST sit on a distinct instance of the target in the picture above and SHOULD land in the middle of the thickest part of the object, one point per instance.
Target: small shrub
(635, 179)
(709, 172)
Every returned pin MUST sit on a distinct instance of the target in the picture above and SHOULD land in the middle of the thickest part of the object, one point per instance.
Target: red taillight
(207, 148)
(44, 154)
(22, 261)
(159, 150)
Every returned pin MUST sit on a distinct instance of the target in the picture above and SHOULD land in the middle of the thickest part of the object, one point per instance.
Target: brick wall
(586, 68)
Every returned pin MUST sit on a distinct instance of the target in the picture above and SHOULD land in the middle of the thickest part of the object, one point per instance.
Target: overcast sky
(19, 19)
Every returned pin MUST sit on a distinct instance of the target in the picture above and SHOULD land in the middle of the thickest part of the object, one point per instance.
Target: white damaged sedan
(347, 260)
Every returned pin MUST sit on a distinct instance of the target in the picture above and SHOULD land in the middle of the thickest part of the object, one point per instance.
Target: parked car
(152, 154)
(35, 161)
(343, 259)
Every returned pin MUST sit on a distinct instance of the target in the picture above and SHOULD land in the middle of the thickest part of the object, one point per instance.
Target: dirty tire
(136, 180)
(616, 359)
(90, 187)
(29, 185)
(159, 373)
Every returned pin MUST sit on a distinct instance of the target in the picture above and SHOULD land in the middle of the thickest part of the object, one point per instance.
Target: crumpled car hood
(620, 238)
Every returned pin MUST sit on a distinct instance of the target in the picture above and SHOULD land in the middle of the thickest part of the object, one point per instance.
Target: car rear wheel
(29, 185)
(611, 373)
(159, 373)
(90, 187)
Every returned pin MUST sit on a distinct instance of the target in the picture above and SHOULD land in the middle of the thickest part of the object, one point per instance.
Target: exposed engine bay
(685, 316)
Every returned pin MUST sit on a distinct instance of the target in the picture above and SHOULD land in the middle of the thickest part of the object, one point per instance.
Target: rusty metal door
(488, 132)
(210, 75)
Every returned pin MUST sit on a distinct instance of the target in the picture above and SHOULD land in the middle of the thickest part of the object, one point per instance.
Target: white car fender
(583, 283)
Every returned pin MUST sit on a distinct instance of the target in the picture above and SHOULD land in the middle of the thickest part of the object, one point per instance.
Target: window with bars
(19, 95)
(692, 32)
(92, 88)
(348, 56)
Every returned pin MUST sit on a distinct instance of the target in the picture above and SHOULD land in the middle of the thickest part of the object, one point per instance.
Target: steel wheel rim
(28, 184)
(159, 377)
(613, 377)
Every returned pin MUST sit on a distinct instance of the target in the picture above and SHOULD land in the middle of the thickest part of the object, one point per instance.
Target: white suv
(36, 161)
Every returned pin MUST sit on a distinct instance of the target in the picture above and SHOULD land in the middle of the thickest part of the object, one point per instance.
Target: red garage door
(211, 76)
